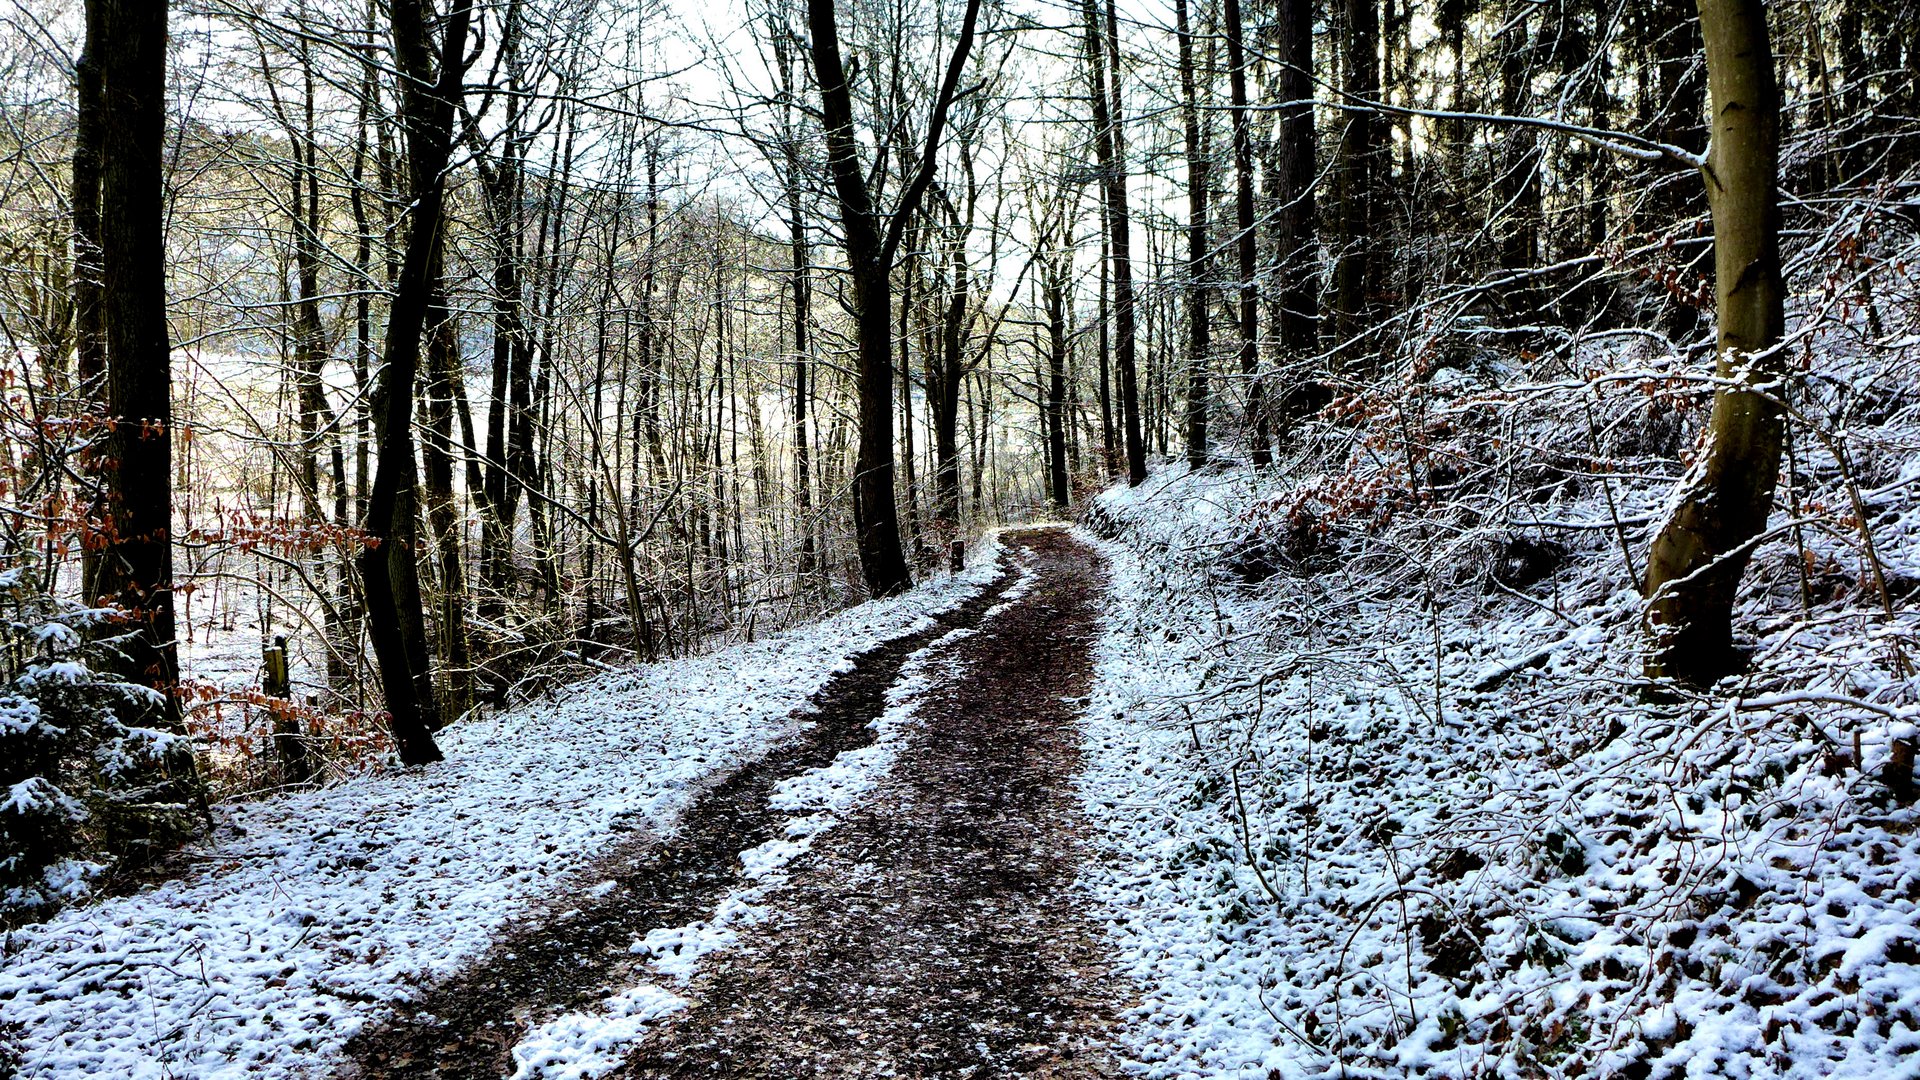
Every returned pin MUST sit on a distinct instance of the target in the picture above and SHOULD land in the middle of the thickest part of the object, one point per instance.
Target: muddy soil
(933, 932)
(574, 950)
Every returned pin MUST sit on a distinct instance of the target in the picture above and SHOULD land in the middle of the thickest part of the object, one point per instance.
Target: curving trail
(931, 932)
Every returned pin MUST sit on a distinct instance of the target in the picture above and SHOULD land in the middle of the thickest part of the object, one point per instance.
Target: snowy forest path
(930, 933)
(934, 931)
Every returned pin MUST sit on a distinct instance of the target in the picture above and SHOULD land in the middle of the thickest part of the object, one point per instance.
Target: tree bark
(1103, 53)
(1297, 215)
(1055, 273)
(943, 386)
(1694, 567)
(1354, 270)
(395, 622)
(1246, 240)
(443, 523)
(1199, 188)
(870, 258)
(128, 43)
(802, 288)
(89, 331)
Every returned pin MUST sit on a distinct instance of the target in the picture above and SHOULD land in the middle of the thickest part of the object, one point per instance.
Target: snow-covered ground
(323, 906)
(1350, 831)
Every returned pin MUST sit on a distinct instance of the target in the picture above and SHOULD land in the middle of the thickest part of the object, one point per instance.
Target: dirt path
(932, 932)
(928, 934)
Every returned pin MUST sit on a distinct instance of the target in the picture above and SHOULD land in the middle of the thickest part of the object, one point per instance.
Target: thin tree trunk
(387, 567)
(1354, 270)
(802, 305)
(1053, 288)
(1246, 240)
(1103, 54)
(1694, 567)
(436, 454)
(1296, 216)
(1199, 189)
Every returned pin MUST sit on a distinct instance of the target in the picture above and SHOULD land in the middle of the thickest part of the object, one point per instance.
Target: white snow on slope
(290, 938)
(1321, 857)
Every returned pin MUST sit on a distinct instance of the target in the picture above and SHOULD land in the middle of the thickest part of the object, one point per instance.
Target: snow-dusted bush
(84, 786)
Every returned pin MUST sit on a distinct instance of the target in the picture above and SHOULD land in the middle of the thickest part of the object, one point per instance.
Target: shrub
(85, 784)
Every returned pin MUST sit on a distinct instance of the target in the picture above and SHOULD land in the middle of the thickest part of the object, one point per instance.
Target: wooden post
(277, 682)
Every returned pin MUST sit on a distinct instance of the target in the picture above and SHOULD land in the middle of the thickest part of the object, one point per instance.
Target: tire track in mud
(574, 951)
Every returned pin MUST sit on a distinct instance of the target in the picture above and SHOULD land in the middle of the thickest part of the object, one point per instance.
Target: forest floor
(850, 851)
(929, 933)
(1155, 799)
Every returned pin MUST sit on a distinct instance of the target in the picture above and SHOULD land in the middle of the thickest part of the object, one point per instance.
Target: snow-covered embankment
(1347, 830)
(324, 906)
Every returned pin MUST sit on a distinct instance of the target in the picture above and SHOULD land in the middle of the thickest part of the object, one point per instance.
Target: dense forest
(374, 368)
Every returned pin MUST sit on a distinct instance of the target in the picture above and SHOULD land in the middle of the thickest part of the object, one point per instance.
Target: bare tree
(1694, 567)
(1199, 191)
(872, 240)
(430, 91)
(1103, 77)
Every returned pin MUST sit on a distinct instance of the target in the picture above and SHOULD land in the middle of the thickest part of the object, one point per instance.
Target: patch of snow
(582, 1044)
(326, 906)
(1331, 847)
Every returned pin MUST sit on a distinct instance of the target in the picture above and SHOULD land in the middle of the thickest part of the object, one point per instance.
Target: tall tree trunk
(310, 357)
(1246, 240)
(802, 303)
(502, 187)
(443, 522)
(870, 257)
(1694, 567)
(1354, 271)
(1054, 279)
(1103, 52)
(1109, 444)
(128, 46)
(943, 389)
(1199, 189)
(910, 479)
(89, 329)
(89, 326)
(1672, 107)
(1296, 216)
(1517, 184)
(395, 620)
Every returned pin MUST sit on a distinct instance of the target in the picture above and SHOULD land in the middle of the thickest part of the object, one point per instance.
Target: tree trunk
(1694, 568)
(1517, 188)
(870, 259)
(1055, 272)
(1109, 146)
(1247, 238)
(802, 306)
(395, 621)
(943, 392)
(89, 331)
(1354, 271)
(1199, 188)
(443, 523)
(89, 327)
(128, 46)
(1297, 225)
